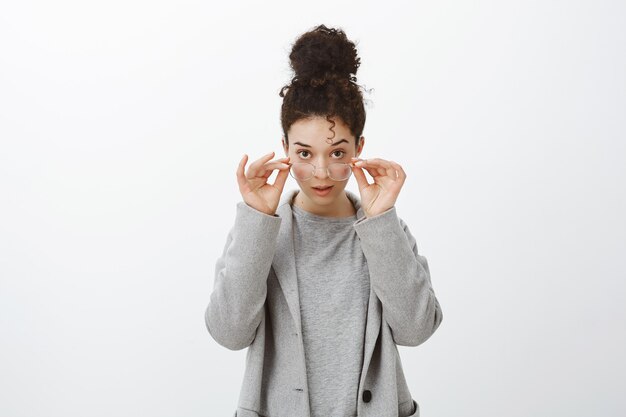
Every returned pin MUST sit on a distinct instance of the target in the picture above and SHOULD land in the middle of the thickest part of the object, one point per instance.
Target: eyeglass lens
(337, 171)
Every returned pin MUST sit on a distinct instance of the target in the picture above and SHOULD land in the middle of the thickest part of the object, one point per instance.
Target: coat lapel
(284, 262)
(284, 265)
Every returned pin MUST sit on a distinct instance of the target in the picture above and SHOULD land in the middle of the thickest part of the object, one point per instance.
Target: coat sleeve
(400, 278)
(236, 304)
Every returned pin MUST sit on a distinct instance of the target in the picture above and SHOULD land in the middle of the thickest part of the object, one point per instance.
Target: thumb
(359, 175)
(281, 178)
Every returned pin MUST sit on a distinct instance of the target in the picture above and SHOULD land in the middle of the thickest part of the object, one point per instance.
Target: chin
(336, 190)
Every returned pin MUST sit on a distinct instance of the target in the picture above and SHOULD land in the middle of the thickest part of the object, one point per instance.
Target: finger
(374, 172)
(379, 167)
(285, 160)
(241, 179)
(399, 171)
(359, 175)
(378, 163)
(281, 178)
(269, 168)
(266, 171)
(373, 167)
(402, 172)
(254, 167)
(392, 172)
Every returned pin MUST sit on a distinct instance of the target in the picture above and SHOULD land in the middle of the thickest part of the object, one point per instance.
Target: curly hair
(325, 62)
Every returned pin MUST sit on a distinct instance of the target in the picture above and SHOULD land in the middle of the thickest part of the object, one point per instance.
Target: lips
(322, 188)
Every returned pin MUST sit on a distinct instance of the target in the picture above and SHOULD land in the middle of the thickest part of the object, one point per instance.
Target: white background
(121, 126)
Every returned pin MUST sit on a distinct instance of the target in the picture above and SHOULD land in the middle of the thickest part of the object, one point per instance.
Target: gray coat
(254, 303)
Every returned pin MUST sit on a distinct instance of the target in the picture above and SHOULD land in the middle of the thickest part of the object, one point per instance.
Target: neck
(340, 207)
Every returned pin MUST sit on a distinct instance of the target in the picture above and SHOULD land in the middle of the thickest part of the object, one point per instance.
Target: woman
(320, 284)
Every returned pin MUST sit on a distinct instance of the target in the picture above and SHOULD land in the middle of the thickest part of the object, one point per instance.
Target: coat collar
(284, 265)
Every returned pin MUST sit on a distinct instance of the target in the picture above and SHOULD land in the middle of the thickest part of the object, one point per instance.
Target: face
(308, 142)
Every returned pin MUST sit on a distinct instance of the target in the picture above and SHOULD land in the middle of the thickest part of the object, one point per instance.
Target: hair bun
(323, 54)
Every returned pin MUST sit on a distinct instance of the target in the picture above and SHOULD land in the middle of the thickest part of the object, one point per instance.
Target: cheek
(340, 185)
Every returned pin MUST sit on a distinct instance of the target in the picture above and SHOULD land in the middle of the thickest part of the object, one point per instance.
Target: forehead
(316, 132)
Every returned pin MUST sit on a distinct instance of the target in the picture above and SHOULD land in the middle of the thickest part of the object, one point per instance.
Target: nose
(322, 170)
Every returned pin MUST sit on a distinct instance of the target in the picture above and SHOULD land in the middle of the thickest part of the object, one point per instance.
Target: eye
(300, 153)
(341, 152)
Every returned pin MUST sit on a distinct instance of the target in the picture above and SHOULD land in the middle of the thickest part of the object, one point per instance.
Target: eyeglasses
(303, 171)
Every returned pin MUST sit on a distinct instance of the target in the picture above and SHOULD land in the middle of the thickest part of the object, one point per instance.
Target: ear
(285, 148)
(360, 147)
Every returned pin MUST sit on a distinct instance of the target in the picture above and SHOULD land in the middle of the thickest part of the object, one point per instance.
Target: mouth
(322, 191)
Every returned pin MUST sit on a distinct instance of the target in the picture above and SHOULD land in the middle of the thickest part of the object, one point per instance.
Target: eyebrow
(308, 146)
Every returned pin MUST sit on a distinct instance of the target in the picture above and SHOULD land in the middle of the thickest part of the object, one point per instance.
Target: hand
(388, 180)
(253, 186)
